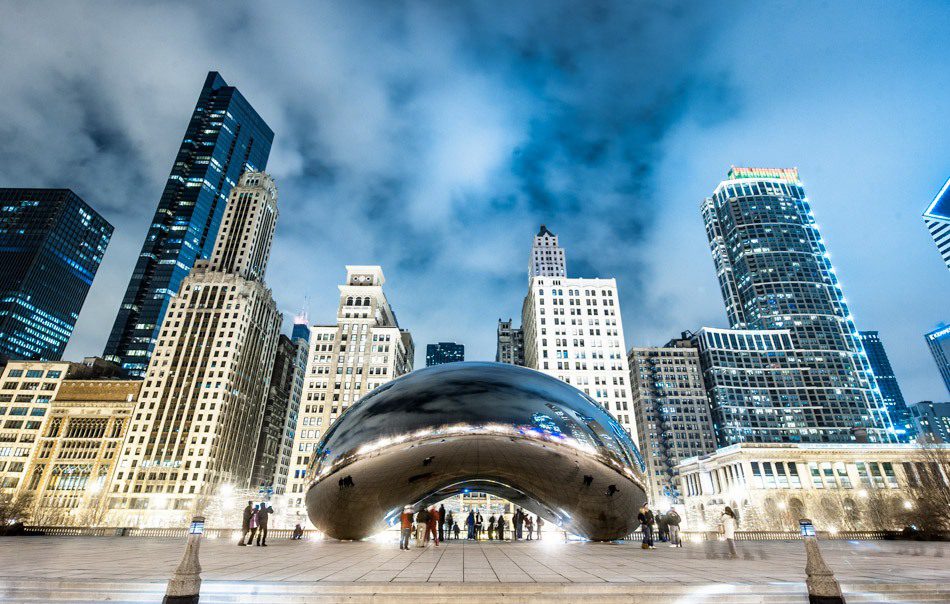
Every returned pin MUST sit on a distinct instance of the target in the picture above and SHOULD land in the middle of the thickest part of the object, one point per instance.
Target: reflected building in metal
(490, 427)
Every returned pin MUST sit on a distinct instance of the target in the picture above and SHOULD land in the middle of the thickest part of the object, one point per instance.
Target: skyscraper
(510, 344)
(776, 274)
(672, 413)
(932, 421)
(937, 219)
(938, 341)
(444, 352)
(547, 257)
(887, 383)
(573, 331)
(51, 245)
(364, 350)
(196, 426)
(224, 138)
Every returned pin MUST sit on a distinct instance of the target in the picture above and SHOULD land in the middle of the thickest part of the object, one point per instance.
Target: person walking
(262, 515)
(405, 527)
(470, 524)
(529, 525)
(491, 527)
(246, 521)
(441, 523)
(252, 523)
(645, 517)
(673, 522)
(538, 525)
(661, 527)
(432, 527)
(500, 527)
(728, 529)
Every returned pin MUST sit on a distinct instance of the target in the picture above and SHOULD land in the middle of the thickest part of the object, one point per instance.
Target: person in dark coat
(470, 523)
(246, 521)
(500, 527)
(298, 533)
(441, 523)
(662, 527)
(456, 529)
(479, 522)
(519, 523)
(673, 522)
(262, 515)
(491, 527)
(449, 523)
(646, 525)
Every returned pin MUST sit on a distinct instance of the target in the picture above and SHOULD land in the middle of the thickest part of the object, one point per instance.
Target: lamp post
(822, 586)
(185, 585)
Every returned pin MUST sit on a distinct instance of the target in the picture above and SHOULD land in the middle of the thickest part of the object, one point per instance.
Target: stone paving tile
(130, 558)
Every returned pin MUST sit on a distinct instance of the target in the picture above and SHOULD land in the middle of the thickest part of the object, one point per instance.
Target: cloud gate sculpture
(489, 427)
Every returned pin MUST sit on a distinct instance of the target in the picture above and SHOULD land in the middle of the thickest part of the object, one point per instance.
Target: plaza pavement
(762, 569)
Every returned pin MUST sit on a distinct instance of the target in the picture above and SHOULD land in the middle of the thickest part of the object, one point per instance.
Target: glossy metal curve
(510, 431)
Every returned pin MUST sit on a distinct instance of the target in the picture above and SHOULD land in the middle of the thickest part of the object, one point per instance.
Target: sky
(433, 138)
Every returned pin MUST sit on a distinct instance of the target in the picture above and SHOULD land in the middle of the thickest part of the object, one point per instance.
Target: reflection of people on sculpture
(588, 480)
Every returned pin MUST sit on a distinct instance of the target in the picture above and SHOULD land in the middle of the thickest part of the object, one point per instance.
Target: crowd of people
(254, 521)
(666, 528)
(435, 524)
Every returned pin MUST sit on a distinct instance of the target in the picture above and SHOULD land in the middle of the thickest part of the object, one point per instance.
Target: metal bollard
(185, 585)
(823, 588)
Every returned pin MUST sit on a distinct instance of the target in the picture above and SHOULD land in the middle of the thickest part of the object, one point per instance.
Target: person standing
(432, 527)
(500, 527)
(449, 523)
(529, 525)
(441, 523)
(479, 522)
(661, 526)
(457, 530)
(519, 522)
(673, 522)
(262, 516)
(422, 523)
(470, 524)
(645, 517)
(538, 525)
(246, 521)
(728, 529)
(405, 527)
(252, 523)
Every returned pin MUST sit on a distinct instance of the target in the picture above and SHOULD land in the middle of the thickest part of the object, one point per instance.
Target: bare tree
(14, 509)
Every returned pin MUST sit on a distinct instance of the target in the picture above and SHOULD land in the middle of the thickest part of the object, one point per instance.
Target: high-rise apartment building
(547, 257)
(444, 352)
(365, 349)
(938, 341)
(274, 445)
(937, 219)
(26, 389)
(510, 344)
(672, 413)
(51, 245)
(887, 383)
(196, 426)
(932, 421)
(573, 331)
(776, 274)
(77, 451)
(224, 138)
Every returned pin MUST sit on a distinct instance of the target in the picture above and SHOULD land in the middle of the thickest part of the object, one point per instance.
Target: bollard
(185, 585)
(822, 586)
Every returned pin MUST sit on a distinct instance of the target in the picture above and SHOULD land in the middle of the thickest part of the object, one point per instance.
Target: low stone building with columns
(841, 487)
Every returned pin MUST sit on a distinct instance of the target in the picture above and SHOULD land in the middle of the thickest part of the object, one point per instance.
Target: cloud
(433, 138)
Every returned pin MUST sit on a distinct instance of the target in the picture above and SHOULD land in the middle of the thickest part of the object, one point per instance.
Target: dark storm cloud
(430, 138)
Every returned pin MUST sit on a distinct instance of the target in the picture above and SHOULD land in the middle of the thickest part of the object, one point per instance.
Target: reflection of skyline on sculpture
(491, 427)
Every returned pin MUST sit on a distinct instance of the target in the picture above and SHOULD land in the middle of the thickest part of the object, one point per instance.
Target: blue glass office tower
(937, 219)
(224, 138)
(444, 352)
(938, 341)
(51, 245)
(776, 274)
(887, 383)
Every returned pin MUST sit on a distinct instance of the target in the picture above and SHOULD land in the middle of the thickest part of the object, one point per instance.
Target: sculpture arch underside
(488, 427)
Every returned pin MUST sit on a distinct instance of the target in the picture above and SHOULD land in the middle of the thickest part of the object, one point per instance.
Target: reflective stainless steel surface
(506, 430)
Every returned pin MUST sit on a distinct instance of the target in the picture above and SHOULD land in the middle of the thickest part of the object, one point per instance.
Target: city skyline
(648, 234)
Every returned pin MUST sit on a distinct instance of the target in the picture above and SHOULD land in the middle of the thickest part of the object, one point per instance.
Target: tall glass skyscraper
(887, 383)
(938, 341)
(224, 138)
(776, 274)
(51, 245)
(937, 219)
